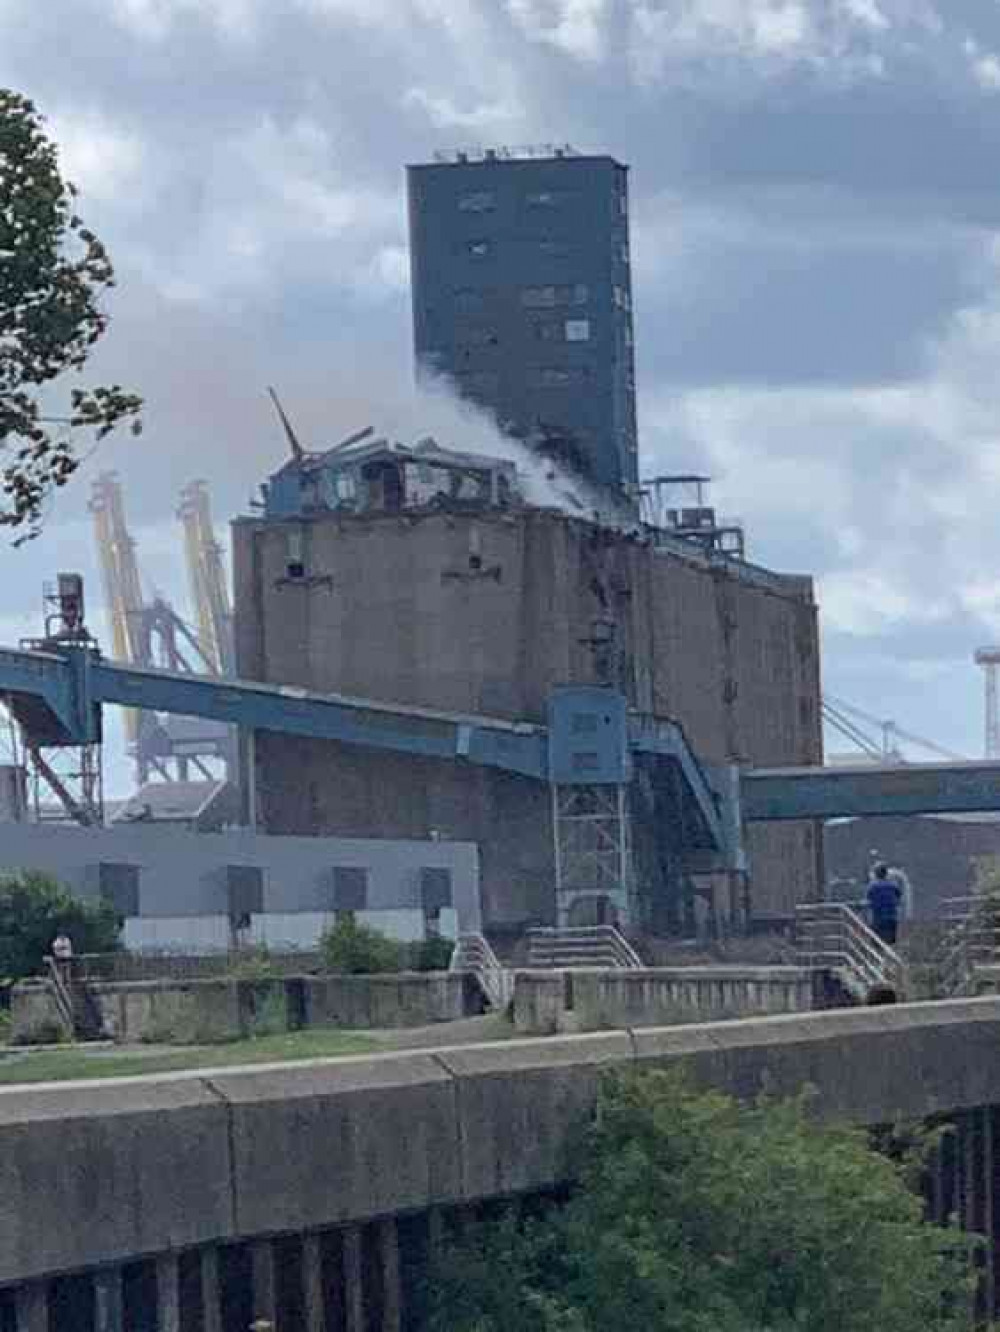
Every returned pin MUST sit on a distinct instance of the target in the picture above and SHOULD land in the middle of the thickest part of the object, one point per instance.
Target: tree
(695, 1213)
(54, 273)
(34, 909)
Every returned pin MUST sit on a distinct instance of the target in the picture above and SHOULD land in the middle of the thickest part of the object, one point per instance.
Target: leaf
(51, 318)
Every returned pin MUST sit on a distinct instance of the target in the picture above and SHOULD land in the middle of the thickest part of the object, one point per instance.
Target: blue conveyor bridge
(57, 689)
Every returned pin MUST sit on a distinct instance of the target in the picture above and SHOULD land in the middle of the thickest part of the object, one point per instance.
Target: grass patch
(76, 1062)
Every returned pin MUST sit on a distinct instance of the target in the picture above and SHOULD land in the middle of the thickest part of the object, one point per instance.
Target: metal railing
(473, 953)
(587, 946)
(147, 964)
(972, 940)
(62, 995)
(833, 935)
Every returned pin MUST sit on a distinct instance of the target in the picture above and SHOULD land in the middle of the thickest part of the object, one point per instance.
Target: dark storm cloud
(815, 209)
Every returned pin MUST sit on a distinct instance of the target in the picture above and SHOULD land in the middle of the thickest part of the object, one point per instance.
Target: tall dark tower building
(522, 295)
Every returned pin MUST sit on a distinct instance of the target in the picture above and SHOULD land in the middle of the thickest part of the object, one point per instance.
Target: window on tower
(479, 201)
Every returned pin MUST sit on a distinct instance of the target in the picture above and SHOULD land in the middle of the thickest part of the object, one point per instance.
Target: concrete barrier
(539, 1002)
(102, 1172)
(406, 999)
(99, 1173)
(985, 978)
(595, 1000)
(191, 1012)
(34, 1015)
(202, 1011)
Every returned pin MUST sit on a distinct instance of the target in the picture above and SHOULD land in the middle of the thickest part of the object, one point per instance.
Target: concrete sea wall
(94, 1175)
(593, 1000)
(202, 1011)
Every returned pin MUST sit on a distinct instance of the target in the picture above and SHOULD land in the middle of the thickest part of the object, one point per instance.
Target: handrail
(472, 952)
(63, 998)
(972, 939)
(832, 934)
(583, 946)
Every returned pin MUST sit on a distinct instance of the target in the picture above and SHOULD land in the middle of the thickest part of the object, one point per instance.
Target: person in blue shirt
(884, 897)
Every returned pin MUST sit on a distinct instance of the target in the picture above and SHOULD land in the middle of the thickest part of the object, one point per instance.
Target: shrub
(268, 1011)
(357, 950)
(432, 954)
(253, 964)
(34, 909)
(695, 1213)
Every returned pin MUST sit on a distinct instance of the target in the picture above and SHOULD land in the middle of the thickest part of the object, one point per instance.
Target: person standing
(884, 897)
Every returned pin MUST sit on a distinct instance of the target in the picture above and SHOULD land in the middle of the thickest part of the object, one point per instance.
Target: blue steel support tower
(522, 295)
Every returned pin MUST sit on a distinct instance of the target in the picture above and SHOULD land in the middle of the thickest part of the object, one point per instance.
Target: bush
(430, 954)
(357, 950)
(34, 909)
(695, 1213)
(253, 964)
(268, 1011)
(354, 949)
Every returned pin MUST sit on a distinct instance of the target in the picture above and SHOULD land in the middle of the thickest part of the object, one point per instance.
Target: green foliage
(34, 909)
(698, 1214)
(269, 1011)
(356, 950)
(5, 1026)
(54, 273)
(432, 954)
(253, 964)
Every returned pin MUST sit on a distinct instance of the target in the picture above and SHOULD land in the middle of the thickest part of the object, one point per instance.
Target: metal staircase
(595, 946)
(473, 953)
(972, 939)
(78, 1012)
(832, 935)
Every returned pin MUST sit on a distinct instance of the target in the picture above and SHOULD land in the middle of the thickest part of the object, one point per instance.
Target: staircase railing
(62, 994)
(834, 936)
(972, 940)
(586, 946)
(473, 953)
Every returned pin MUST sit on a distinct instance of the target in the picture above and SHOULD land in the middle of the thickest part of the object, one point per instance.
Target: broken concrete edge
(96, 1173)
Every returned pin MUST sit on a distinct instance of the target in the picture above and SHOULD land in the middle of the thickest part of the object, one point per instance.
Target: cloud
(814, 209)
(101, 158)
(574, 27)
(985, 66)
(444, 113)
(153, 20)
(866, 12)
(890, 493)
(840, 39)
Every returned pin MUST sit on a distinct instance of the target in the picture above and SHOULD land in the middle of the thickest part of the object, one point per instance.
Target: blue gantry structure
(57, 694)
(615, 777)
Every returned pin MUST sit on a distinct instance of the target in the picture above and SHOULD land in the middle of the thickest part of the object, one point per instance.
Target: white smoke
(434, 409)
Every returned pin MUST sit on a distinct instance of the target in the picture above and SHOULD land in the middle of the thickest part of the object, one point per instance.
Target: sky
(816, 268)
